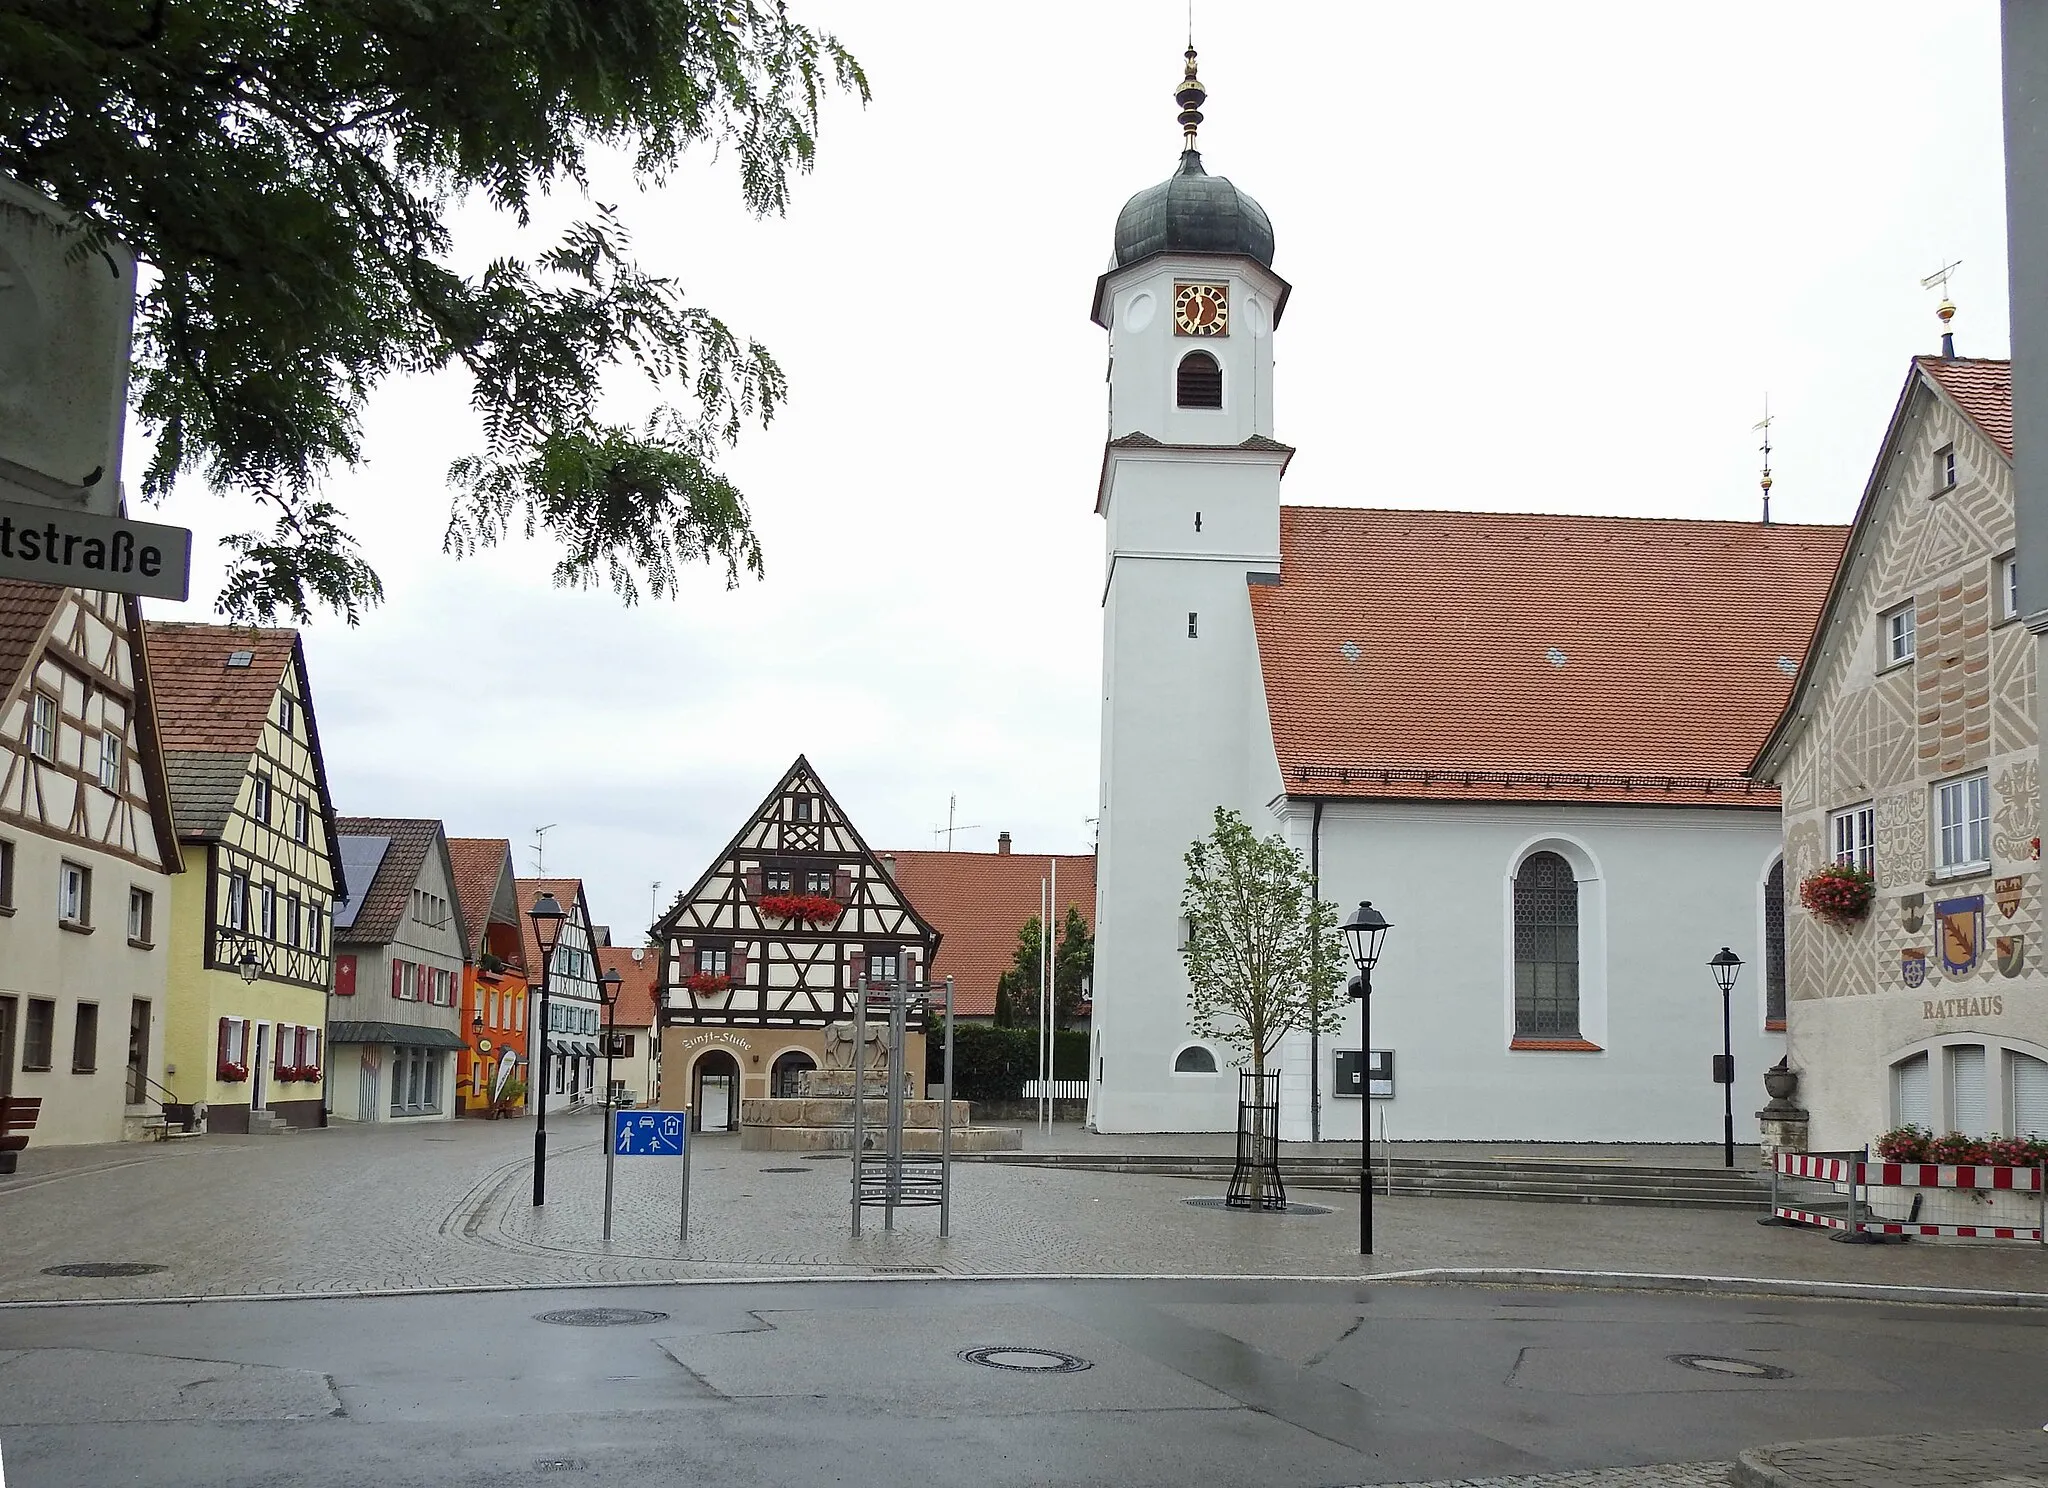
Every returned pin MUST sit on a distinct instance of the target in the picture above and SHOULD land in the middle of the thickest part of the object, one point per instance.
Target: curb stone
(1935, 1459)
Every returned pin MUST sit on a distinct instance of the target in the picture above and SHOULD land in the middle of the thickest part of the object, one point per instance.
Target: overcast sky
(1545, 258)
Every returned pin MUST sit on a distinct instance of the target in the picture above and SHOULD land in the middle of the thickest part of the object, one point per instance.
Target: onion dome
(1192, 211)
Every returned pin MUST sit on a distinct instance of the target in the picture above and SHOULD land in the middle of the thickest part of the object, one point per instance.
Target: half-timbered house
(86, 851)
(394, 1019)
(772, 945)
(568, 1048)
(250, 917)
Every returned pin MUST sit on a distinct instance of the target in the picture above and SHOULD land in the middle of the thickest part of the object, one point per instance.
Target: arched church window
(1546, 948)
(1774, 946)
(1195, 1059)
(1200, 383)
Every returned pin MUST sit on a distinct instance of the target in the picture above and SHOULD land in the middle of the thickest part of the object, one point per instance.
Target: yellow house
(252, 914)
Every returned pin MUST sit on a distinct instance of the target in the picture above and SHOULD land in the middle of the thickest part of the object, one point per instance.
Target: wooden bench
(18, 1115)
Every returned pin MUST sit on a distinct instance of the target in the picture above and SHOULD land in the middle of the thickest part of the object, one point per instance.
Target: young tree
(284, 172)
(1264, 956)
(1018, 990)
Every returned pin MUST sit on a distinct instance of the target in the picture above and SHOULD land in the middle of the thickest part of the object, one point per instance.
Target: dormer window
(1898, 635)
(1199, 383)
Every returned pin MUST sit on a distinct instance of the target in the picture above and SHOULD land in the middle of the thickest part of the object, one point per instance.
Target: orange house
(494, 973)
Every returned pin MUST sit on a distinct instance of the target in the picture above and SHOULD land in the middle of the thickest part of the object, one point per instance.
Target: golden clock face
(1201, 309)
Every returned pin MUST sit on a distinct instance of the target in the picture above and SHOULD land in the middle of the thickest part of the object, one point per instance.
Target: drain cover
(104, 1268)
(1026, 1360)
(557, 1464)
(1741, 1368)
(1292, 1207)
(600, 1317)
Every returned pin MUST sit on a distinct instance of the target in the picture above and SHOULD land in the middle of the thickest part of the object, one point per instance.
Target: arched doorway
(785, 1079)
(715, 1092)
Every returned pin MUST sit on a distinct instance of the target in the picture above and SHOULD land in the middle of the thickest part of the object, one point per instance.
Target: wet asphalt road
(863, 1384)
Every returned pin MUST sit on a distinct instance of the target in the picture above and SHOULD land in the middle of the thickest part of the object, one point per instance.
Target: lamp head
(249, 964)
(1364, 933)
(548, 917)
(1726, 966)
(608, 987)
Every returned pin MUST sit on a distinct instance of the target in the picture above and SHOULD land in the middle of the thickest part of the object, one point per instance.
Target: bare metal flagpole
(1052, 985)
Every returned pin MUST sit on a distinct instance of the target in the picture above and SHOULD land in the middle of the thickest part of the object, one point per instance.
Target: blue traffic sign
(648, 1133)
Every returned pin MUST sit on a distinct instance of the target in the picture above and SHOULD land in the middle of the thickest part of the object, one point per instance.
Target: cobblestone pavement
(1954, 1459)
(1677, 1475)
(446, 1205)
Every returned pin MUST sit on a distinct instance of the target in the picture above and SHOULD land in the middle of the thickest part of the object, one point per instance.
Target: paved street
(446, 1205)
(1306, 1384)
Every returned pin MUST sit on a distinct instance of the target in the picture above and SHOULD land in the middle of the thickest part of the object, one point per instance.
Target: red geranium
(1915, 1144)
(1839, 893)
(814, 909)
(707, 981)
(231, 1071)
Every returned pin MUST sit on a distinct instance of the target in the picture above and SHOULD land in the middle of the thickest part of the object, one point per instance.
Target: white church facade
(1522, 737)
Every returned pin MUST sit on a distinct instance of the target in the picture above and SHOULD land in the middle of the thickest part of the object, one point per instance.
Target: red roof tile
(1497, 656)
(636, 984)
(25, 609)
(1979, 386)
(978, 901)
(479, 864)
(568, 893)
(201, 701)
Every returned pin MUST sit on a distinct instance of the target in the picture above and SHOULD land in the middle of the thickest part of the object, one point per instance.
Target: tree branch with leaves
(1264, 956)
(284, 172)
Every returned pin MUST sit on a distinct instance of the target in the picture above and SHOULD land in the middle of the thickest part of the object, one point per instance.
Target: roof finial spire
(1190, 96)
(1946, 310)
(1765, 425)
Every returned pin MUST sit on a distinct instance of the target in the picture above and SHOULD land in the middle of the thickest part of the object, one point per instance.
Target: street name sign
(648, 1133)
(48, 546)
(66, 316)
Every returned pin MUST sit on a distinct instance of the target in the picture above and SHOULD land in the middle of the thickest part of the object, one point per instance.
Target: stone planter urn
(1780, 1081)
(1784, 1124)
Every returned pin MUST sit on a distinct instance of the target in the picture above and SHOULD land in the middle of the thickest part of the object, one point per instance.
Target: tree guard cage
(1255, 1181)
(891, 1179)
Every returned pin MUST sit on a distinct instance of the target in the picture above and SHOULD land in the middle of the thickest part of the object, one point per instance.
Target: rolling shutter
(1969, 1090)
(2029, 1096)
(1912, 1099)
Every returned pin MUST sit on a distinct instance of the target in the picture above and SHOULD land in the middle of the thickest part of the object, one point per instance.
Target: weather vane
(1946, 310)
(1764, 424)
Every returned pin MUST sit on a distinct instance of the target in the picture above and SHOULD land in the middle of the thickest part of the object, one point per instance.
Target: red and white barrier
(1856, 1175)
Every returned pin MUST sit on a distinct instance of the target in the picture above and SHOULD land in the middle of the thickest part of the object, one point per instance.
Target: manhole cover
(1741, 1368)
(1207, 1202)
(789, 1170)
(1026, 1360)
(557, 1464)
(600, 1317)
(104, 1268)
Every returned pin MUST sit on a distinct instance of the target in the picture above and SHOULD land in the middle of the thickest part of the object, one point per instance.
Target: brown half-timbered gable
(79, 762)
(782, 972)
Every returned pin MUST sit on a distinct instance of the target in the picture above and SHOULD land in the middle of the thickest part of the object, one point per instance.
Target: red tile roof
(479, 864)
(1979, 386)
(636, 983)
(978, 901)
(1492, 656)
(201, 701)
(568, 893)
(25, 609)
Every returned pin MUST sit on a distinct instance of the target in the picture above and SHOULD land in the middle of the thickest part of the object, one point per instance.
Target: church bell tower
(1190, 498)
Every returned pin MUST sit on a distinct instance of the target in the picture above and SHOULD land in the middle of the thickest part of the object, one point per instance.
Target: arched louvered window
(1200, 382)
(1546, 948)
(1774, 945)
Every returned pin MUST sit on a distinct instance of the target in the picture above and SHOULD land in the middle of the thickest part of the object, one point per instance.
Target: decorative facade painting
(1960, 925)
(2012, 954)
(1913, 966)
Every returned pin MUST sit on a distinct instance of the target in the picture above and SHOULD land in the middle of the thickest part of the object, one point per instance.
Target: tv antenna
(947, 831)
(540, 849)
(1764, 424)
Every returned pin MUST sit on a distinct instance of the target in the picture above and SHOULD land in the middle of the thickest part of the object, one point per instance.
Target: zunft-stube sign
(47, 546)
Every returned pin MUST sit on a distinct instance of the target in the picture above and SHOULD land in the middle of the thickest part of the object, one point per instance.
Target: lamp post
(476, 1049)
(1364, 933)
(547, 916)
(608, 992)
(1726, 966)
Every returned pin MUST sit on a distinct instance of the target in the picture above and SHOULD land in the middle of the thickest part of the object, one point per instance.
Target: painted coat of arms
(1913, 966)
(2012, 954)
(2008, 896)
(1959, 926)
(1912, 912)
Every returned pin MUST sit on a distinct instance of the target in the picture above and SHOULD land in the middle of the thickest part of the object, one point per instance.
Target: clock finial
(1190, 96)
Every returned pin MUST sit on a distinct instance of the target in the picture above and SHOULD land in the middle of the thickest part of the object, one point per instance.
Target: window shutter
(736, 966)
(858, 962)
(344, 973)
(313, 1047)
(750, 881)
(280, 1038)
(398, 980)
(910, 955)
(842, 884)
(220, 1054)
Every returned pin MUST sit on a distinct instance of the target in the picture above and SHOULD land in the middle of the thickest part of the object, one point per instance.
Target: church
(1523, 737)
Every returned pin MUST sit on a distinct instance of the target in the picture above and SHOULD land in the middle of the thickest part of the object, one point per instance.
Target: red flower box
(812, 909)
(231, 1071)
(1839, 893)
(707, 982)
(1915, 1144)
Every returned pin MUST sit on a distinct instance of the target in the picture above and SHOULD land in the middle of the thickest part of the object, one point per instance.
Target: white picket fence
(1057, 1089)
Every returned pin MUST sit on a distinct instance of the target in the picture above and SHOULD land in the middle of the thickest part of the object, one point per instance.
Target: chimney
(1003, 843)
(889, 864)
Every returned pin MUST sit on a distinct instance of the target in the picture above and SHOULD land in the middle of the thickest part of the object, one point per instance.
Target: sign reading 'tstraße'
(47, 546)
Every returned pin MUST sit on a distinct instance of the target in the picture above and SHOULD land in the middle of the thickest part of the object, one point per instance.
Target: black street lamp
(608, 992)
(1365, 932)
(249, 964)
(1727, 966)
(548, 917)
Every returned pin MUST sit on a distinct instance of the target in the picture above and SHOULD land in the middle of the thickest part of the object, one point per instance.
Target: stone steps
(268, 1124)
